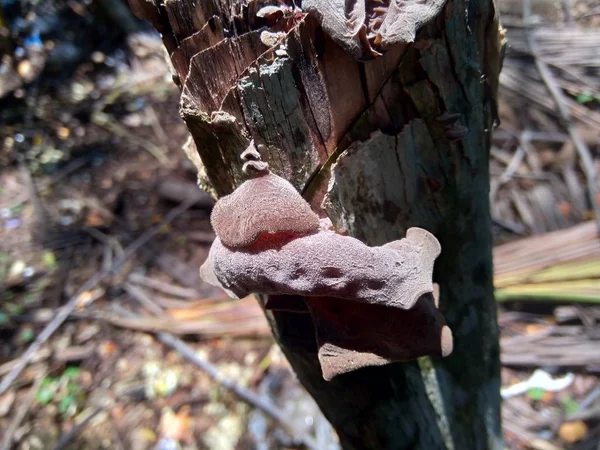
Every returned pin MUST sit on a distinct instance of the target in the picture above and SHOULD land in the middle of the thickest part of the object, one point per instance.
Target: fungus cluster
(369, 305)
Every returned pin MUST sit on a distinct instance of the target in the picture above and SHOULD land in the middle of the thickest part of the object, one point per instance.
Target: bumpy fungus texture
(265, 204)
(328, 264)
(367, 28)
(369, 305)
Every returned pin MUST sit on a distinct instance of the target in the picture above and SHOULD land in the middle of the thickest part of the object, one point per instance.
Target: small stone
(17, 269)
(25, 70)
(13, 223)
(63, 132)
(98, 57)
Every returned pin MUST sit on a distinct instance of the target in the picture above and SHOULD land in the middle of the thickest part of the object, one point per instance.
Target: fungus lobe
(369, 305)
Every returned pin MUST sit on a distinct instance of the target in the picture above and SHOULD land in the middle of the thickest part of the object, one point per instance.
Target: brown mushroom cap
(265, 204)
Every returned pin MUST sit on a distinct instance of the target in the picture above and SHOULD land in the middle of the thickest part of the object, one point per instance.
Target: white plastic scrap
(540, 379)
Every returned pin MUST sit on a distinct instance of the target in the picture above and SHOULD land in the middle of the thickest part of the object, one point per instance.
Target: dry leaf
(534, 328)
(6, 402)
(86, 298)
(571, 432)
(107, 348)
(94, 219)
(176, 426)
(565, 208)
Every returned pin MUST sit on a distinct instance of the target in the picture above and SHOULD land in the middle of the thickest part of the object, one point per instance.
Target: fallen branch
(552, 352)
(244, 394)
(77, 428)
(250, 327)
(163, 287)
(548, 257)
(39, 356)
(107, 122)
(178, 191)
(70, 306)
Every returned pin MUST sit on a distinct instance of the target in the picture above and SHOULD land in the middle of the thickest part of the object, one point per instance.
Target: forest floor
(100, 215)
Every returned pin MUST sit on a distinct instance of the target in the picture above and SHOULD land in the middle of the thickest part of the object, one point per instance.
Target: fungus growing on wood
(352, 335)
(367, 28)
(327, 264)
(264, 204)
(369, 305)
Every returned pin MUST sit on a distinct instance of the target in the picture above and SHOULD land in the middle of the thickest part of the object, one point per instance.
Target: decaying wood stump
(381, 134)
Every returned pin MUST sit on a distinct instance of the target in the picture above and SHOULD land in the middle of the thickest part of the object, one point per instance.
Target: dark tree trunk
(399, 141)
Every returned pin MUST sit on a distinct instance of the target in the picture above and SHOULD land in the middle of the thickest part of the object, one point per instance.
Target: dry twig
(163, 287)
(68, 437)
(7, 439)
(244, 394)
(247, 327)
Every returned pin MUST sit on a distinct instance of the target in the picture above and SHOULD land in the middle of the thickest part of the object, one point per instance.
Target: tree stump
(380, 145)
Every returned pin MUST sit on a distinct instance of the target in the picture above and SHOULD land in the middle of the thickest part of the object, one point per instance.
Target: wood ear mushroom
(370, 305)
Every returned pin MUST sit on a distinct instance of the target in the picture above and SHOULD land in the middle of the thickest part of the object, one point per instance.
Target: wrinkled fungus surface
(369, 305)
(328, 264)
(265, 204)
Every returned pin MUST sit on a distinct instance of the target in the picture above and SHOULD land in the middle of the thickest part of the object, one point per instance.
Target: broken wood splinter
(368, 28)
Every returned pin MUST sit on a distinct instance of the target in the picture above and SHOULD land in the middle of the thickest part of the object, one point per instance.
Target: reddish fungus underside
(352, 335)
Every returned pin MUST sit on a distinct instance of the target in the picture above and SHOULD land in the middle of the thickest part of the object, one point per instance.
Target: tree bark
(380, 146)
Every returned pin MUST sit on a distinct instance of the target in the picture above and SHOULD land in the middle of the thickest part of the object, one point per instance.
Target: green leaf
(48, 381)
(3, 318)
(71, 373)
(44, 396)
(65, 403)
(26, 335)
(585, 98)
(570, 405)
(13, 308)
(45, 393)
(29, 298)
(536, 394)
(49, 260)
(73, 388)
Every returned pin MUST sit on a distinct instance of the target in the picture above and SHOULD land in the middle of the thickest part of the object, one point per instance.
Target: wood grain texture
(398, 141)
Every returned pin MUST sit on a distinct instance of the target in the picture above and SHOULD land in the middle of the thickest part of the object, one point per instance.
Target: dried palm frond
(562, 265)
